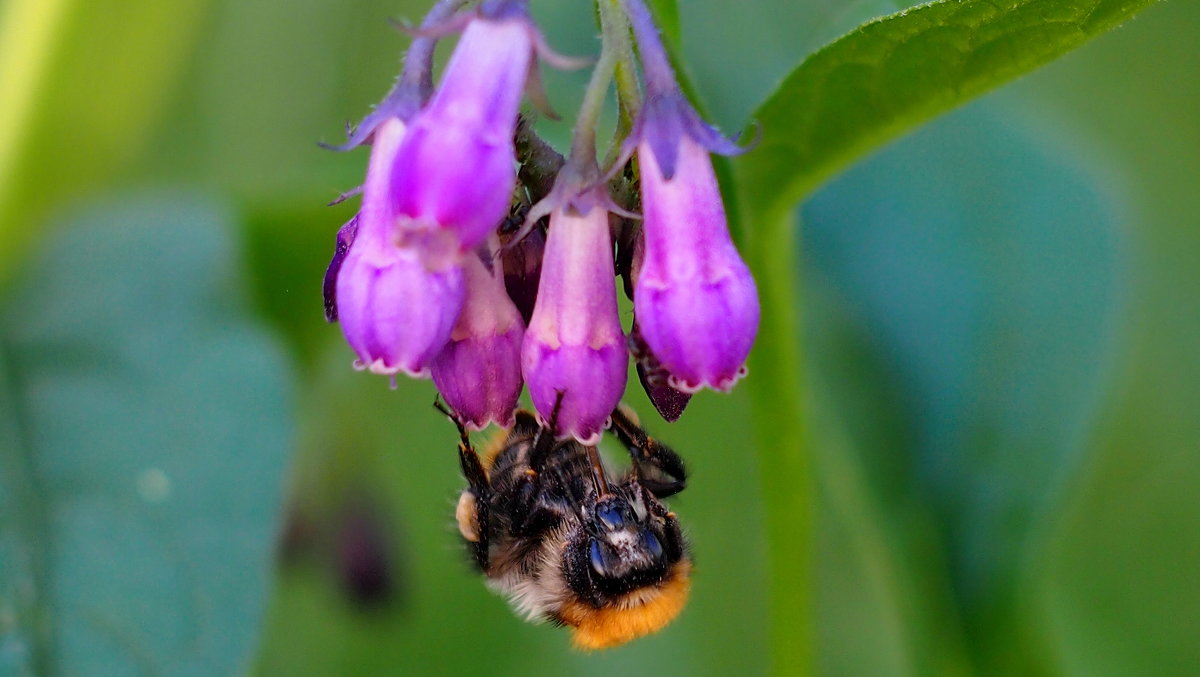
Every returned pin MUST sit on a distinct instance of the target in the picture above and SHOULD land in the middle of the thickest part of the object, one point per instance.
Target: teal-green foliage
(147, 427)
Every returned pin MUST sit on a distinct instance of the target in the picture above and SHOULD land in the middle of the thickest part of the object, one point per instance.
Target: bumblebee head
(627, 568)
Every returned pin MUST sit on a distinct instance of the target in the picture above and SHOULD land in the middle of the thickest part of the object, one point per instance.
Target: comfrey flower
(694, 298)
(478, 373)
(439, 180)
(574, 345)
(422, 286)
(395, 311)
(454, 175)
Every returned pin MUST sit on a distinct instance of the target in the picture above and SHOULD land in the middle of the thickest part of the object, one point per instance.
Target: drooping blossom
(574, 345)
(455, 173)
(478, 372)
(395, 310)
(694, 298)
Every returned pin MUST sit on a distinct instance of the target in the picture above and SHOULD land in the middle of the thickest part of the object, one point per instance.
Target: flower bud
(523, 270)
(668, 402)
(345, 236)
(478, 373)
(455, 173)
(694, 298)
(574, 343)
(395, 311)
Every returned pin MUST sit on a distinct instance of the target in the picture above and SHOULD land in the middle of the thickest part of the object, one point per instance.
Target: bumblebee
(567, 542)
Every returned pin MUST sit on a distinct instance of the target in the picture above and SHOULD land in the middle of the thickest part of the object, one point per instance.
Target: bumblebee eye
(611, 516)
(652, 545)
(597, 557)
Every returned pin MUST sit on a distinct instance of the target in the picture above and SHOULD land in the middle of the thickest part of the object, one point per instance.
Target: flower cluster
(448, 270)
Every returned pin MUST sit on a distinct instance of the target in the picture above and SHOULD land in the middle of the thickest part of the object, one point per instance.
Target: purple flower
(574, 343)
(395, 311)
(479, 371)
(694, 298)
(454, 175)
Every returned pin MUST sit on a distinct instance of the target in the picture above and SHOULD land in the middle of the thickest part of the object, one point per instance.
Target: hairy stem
(614, 25)
(583, 144)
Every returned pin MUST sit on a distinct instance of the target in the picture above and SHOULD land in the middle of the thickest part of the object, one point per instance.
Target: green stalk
(614, 26)
(780, 424)
(583, 145)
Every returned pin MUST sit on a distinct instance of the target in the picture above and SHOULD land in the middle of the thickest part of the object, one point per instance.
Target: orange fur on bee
(640, 613)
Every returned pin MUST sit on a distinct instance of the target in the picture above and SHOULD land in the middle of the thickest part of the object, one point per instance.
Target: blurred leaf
(1120, 588)
(978, 271)
(110, 69)
(153, 427)
(889, 75)
(881, 79)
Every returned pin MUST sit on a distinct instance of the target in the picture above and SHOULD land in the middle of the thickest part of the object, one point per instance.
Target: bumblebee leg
(659, 469)
(479, 486)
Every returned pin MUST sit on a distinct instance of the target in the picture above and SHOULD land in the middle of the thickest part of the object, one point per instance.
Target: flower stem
(614, 26)
(583, 144)
(781, 431)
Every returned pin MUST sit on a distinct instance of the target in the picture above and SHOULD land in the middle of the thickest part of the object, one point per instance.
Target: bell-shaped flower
(455, 174)
(478, 373)
(574, 345)
(694, 297)
(396, 311)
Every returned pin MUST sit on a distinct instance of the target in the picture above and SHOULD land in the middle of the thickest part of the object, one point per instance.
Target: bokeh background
(1002, 337)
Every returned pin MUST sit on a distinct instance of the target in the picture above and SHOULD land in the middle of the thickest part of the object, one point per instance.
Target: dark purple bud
(574, 344)
(345, 236)
(668, 401)
(364, 560)
(478, 373)
(523, 270)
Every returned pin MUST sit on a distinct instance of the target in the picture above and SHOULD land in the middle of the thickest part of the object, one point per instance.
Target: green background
(1002, 340)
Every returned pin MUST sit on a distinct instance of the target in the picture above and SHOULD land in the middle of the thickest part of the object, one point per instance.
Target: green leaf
(862, 90)
(975, 276)
(150, 427)
(889, 75)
